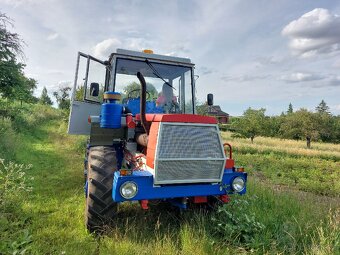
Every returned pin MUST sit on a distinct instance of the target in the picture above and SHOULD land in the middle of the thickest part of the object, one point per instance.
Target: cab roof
(132, 53)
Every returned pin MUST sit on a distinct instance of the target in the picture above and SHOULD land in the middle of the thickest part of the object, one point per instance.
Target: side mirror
(94, 89)
(210, 99)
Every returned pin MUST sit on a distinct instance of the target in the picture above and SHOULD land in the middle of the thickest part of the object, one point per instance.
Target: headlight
(128, 190)
(238, 184)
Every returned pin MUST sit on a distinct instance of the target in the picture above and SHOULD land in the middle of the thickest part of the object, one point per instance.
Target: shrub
(234, 223)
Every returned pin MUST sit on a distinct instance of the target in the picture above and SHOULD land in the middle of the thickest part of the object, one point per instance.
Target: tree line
(318, 125)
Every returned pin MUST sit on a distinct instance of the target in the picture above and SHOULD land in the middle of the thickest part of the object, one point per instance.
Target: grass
(290, 163)
(49, 219)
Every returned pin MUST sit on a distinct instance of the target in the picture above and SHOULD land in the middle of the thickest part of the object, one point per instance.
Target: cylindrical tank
(111, 112)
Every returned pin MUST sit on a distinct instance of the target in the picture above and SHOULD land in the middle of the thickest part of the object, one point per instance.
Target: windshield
(169, 87)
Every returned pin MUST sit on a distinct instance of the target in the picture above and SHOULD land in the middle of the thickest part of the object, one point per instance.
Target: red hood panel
(179, 118)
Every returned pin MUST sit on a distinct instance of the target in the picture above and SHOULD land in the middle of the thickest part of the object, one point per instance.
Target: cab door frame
(81, 110)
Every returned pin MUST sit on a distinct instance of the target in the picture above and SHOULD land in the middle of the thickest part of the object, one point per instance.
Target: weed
(14, 186)
(13, 181)
(8, 138)
(234, 223)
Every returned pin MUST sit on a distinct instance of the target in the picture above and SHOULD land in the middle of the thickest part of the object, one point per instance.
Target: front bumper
(147, 190)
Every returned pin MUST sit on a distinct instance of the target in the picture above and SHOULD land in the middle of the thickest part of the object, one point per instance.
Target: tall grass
(14, 188)
(289, 163)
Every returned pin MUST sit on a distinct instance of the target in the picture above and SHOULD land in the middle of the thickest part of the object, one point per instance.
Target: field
(292, 205)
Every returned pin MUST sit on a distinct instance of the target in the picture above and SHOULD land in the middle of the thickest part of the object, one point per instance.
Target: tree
(25, 92)
(272, 125)
(44, 98)
(290, 108)
(202, 109)
(322, 107)
(301, 125)
(252, 124)
(325, 121)
(79, 96)
(63, 97)
(11, 72)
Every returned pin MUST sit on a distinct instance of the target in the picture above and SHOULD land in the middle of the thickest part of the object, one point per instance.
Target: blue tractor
(146, 141)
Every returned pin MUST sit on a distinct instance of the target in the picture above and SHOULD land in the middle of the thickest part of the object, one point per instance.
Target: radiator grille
(188, 153)
(179, 141)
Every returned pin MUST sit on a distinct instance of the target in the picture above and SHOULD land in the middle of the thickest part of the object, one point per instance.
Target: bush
(234, 223)
(28, 116)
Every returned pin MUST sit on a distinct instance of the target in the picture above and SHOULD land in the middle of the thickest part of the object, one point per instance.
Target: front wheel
(100, 208)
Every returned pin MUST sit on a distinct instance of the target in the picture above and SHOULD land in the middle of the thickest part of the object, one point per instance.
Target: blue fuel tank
(111, 111)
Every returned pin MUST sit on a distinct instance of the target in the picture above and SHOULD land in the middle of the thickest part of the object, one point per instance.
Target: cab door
(87, 93)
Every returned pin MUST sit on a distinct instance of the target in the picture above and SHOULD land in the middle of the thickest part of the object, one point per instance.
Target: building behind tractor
(145, 140)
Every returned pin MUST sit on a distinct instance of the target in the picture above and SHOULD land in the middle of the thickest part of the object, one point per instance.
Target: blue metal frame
(147, 190)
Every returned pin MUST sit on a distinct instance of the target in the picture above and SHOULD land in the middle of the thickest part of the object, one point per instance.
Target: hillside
(292, 204)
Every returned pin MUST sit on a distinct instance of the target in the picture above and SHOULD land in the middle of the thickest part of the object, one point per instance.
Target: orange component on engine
(152, 143)
(229, 163)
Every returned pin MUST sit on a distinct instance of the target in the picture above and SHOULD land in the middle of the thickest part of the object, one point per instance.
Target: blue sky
(247, 53)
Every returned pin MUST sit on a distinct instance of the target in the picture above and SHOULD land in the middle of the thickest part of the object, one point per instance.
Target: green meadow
(292, 205)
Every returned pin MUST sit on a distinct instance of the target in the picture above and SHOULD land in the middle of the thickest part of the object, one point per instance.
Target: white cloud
(245, 78)
(63, 84)
(106, 47)
(315, 32)
(17, 3)
(52, 37)
(301, 77)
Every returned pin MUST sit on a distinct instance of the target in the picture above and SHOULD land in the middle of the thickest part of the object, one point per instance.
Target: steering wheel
(133, 94)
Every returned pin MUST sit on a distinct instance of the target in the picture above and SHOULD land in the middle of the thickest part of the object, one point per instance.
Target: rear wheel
(100, 208)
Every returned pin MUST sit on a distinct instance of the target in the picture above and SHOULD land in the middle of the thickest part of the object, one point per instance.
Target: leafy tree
(11, 72)
(252, 124)
(322, 107)
(272, 125)
(63, 97)
(44, 98)
(11, 78)
(10, 43)
(25, 92)
(290, 108)
(301, 125)
(79, 96)
(202, 109)
(326, 122)
(336, 129)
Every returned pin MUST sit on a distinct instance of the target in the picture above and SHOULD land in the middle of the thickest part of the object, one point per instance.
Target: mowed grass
(49, 219)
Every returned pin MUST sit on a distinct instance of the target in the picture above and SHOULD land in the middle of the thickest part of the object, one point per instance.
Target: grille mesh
(188, 141)
(181, 149)
(181, 170)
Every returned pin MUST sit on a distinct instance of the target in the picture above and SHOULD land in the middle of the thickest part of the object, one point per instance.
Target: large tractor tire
(100, 208)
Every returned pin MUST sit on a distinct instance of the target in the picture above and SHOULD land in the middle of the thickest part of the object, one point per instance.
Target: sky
(259, 54)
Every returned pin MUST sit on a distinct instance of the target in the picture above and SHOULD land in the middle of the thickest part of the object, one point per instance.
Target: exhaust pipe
(142, 139)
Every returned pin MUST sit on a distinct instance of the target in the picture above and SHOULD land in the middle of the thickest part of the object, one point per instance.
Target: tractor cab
(169, 85)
